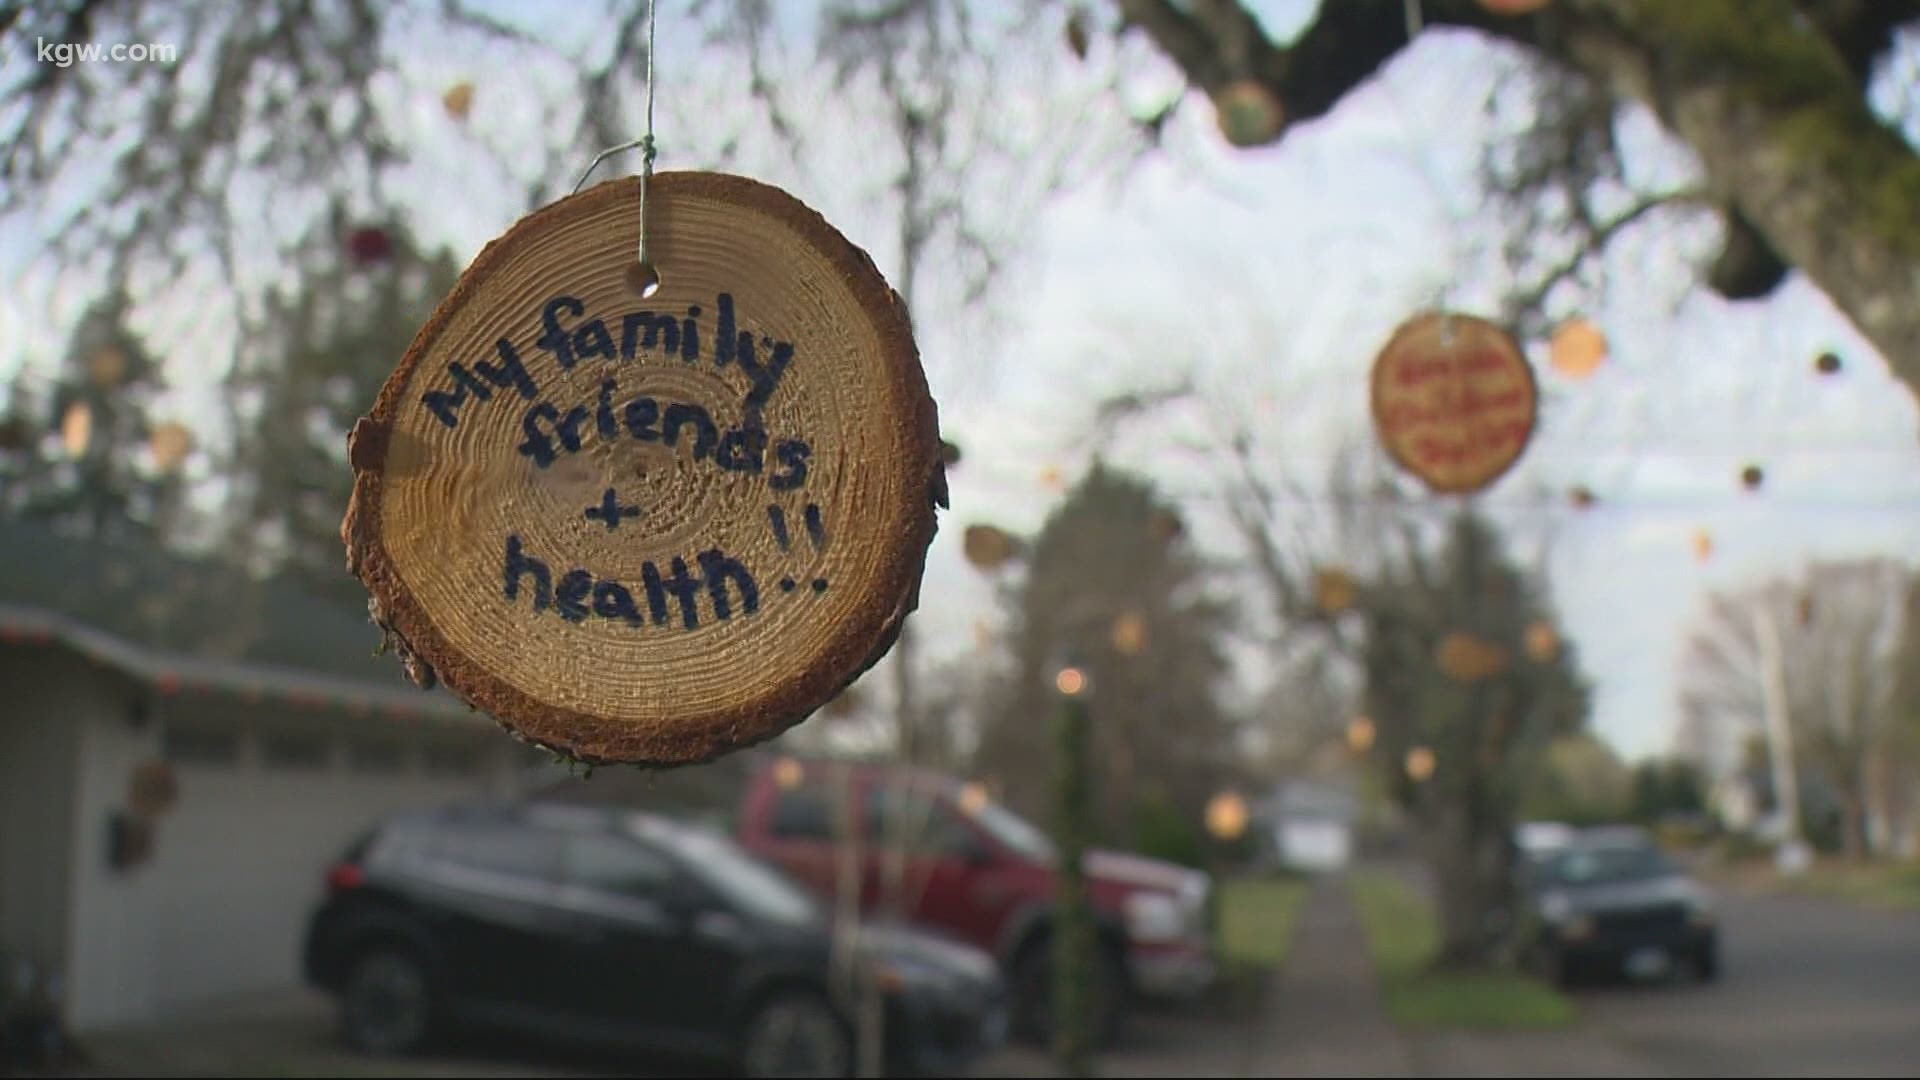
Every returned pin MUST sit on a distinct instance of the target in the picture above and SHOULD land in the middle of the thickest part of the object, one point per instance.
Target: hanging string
(648, 281)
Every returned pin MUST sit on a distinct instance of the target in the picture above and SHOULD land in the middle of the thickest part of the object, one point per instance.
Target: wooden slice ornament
(1579, 349)
(458, 100)
(651, 528)
(1467, 658)
(1249, 114)
(1542, 642)
(1333, 590)
(1454, 401)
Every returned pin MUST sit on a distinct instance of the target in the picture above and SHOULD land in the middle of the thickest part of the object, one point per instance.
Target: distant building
(183, 751)
(1310, 823)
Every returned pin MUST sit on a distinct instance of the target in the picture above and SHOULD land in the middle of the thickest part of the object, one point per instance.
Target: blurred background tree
(1111, 575)
(1581, 782)
(88, 459)
(1465, 678)
(1841, 627)
(327, 345)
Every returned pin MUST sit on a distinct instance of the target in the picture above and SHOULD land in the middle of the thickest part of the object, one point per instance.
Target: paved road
(1808, 988)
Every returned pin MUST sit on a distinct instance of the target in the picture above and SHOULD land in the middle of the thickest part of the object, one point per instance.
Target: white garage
(169, 806)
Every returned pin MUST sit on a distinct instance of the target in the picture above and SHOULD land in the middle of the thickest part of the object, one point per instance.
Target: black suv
(610, 926)
(1609, 901)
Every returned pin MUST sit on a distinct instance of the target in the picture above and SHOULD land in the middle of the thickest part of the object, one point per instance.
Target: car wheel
(1032, 994)
(387, 1006)
(795, 1034)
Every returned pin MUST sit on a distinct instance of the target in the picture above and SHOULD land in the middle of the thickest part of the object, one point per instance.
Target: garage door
(239, 862)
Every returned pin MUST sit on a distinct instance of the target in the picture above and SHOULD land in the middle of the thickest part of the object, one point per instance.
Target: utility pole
(1792, 855)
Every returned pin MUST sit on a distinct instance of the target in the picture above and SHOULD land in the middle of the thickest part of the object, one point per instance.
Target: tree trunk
(1473, 890)
(1784, 134)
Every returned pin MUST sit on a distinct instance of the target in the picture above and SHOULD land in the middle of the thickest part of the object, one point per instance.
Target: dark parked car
(1610, 901)
(624, 928)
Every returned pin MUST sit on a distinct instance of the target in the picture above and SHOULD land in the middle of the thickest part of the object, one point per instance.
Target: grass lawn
(1403, 934)
(1256, 919)
(1256, 923)
(1884, 885)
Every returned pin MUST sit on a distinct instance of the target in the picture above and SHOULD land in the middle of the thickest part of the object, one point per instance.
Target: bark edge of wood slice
(620, 683)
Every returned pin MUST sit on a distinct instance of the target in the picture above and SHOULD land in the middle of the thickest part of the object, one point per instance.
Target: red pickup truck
(982, 873)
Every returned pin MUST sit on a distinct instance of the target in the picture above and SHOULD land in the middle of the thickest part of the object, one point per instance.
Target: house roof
(181, 622)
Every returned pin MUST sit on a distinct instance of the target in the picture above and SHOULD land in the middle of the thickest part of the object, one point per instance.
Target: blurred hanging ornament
(459, 100)
(1051, 478)
(788, 773)
(1828, 363)
(1466, 658)
(1227, 816)
(949, 453)
(1421, 763)
(1582, 497)
(1130, 634)
(1332, 590)
(76, 429)
(1579, 349)
(1077, 36)
(171, 442)
(988, 547)
(974, 798)
(1360, 734)
(369, 244)
(1751, 477)
(1543, 642)
(1249, 114)
(1514, 7)
(1453, 400)
(108, 366)
(1702, 545)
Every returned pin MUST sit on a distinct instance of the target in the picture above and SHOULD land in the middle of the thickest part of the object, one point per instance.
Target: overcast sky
(1274, 276)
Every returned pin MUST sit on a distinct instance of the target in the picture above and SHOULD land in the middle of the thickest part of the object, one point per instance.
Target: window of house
(444, 760)
(200, 744)
(377, 756)
(288, 750)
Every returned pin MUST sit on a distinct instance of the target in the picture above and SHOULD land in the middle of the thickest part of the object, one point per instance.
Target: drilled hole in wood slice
(599, 553)
(643, 280)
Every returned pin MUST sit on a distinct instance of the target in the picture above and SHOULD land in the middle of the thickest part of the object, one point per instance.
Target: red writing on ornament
(1417, 372)
(1439, 450)
(1447, 407)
